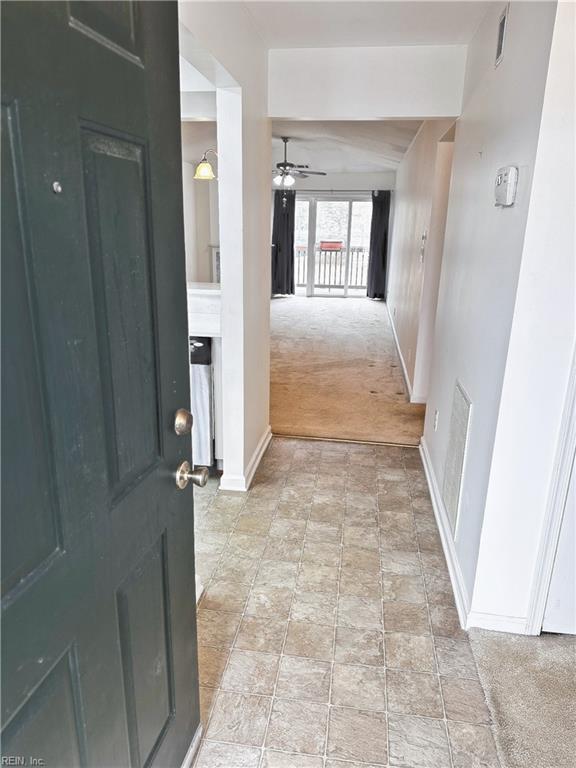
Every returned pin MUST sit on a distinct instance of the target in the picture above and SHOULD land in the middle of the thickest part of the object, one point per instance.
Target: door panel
(32, 536)
(117, 205)
(50, 724)
(99, 638)
(147, 663)
(111, 23)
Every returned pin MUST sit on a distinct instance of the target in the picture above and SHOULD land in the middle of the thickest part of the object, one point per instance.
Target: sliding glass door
(331, 245)
(301, 226)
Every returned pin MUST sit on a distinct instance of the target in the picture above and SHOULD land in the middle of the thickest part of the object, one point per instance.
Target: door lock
(183, 422)
(185, 473)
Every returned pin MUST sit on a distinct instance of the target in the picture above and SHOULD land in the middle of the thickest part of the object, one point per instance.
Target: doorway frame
(229, 117)
(313, 197)
(551, 526)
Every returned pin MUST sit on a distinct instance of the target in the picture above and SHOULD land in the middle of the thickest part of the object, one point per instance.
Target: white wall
(420, 179)
(483, 249)
(356, 182)
(200, 201)
(412, 81)
(198, 106)
(434, 250)
(198, 136)
(538, 356)
(227, 32)
(189, 205)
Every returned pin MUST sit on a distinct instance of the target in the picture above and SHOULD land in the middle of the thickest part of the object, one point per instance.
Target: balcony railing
(330, 267)
(300, 265)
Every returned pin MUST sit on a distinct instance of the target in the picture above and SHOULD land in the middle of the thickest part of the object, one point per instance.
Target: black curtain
(378, 261)
(283, 241)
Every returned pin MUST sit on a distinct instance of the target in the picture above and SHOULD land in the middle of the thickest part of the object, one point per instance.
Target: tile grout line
(354, 708)
(242, 615)
(445, 720)
(299, 754)
(380, 532)
(229, 648)
(281, 656)
(333, 661)
(343, 523)
(410, 476)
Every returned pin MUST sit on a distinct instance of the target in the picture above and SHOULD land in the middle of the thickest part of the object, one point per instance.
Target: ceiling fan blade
(314, 173)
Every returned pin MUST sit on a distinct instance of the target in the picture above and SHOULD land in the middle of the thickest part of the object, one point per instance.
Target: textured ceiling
(345, 146)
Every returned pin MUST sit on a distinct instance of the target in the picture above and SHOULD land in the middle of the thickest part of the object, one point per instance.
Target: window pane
(359, 247)
(301, 222)
(331, 221)
(361, 220)
(301, 241)
(331, 236)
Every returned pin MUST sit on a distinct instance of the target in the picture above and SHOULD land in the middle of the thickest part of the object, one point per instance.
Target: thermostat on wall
(505, 187)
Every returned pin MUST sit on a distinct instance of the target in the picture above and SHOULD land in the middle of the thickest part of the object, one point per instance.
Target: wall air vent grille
(456, 455)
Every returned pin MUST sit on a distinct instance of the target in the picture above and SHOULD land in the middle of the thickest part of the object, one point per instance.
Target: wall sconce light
(204, 170)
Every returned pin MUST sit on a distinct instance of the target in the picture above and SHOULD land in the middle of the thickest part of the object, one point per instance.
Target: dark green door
(99, 637)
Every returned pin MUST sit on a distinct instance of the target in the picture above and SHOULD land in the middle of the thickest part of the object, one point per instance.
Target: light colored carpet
(335, 372)
(530, 686)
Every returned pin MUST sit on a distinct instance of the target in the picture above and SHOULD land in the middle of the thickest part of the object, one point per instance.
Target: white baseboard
(468, 618)
(193, 748)
(233, 483)
(461, 596)
(555, 506)
(243, 482)
(399, 350)
(254, 462)
(497, 622)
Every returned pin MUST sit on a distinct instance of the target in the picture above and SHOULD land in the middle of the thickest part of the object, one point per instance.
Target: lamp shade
(289, 180)
(204, 170)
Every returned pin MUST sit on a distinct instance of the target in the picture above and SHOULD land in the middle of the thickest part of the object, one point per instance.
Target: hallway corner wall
(418, 184)
(228, 32)
(483, 251)
(527, 452)
(434, 249)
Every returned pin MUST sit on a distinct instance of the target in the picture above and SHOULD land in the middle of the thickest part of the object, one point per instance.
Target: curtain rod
(339, 191)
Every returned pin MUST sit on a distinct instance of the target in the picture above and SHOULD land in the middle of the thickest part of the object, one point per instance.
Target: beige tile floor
(327, 630)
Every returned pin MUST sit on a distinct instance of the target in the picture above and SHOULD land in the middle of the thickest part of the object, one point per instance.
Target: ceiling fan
(286, 173)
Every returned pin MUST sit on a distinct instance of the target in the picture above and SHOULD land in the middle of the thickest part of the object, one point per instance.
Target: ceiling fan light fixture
(285, 173)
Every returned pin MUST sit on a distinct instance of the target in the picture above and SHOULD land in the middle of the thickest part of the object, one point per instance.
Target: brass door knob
(183, 422)
(185, 473)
